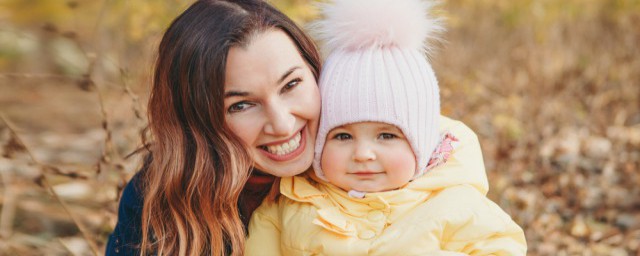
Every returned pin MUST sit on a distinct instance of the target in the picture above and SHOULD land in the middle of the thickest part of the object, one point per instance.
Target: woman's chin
(282, 169)
(285, 168)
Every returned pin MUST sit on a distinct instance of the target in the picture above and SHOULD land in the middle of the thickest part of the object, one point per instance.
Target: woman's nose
(363, 152)
(281, 122)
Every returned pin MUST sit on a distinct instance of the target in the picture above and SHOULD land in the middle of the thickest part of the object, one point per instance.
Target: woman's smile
(285, 150)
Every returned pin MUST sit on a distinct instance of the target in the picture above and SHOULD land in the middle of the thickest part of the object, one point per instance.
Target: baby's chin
(368, 189)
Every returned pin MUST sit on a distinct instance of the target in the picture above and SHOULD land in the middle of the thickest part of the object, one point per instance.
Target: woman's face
(272, 103)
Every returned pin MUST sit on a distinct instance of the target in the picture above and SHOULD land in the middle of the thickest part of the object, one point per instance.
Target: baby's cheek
(403, 162)
(330, 161)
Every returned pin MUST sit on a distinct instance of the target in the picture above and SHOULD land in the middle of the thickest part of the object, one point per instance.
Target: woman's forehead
(263, 61)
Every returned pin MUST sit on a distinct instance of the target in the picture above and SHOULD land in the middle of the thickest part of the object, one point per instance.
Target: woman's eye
(238, 107)
(387, 136)
(342, 136)
(290, 85)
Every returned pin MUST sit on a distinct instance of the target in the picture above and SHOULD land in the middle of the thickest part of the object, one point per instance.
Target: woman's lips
(290, 155)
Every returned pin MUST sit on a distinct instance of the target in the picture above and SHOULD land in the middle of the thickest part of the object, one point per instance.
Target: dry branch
(42, 181)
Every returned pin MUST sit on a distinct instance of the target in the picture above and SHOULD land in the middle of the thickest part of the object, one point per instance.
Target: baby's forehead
(370, 125)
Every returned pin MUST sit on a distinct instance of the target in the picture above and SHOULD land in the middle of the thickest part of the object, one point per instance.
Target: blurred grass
(551, 88)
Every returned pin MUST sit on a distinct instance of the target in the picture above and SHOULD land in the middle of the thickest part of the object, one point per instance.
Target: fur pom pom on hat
(376, 70)
(359, 24)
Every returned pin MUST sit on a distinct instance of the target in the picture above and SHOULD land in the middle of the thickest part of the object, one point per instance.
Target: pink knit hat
(377, 71)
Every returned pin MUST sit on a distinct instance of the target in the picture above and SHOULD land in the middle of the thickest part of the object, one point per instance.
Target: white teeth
(290, 145)
(285, 148)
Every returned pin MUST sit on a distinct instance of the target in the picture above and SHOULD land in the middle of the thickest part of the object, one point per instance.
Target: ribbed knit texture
(381, 84)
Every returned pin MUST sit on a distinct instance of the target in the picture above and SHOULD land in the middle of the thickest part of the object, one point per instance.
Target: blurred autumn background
(552, 89)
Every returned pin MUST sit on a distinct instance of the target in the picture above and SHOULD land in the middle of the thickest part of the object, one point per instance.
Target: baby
(391, 176)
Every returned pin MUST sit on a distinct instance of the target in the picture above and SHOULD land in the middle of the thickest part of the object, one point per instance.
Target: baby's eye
(342, 136)
(239, 107)
(387, 136)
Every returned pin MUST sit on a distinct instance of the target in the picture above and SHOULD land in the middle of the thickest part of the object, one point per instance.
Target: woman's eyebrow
(244, 94)
(235, 94)
(286, 74)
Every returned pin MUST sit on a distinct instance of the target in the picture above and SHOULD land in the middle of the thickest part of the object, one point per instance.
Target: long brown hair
(199, 167)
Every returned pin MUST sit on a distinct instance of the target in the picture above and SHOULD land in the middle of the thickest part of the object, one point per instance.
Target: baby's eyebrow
(385, 126)
(389, 129)
(337, 129)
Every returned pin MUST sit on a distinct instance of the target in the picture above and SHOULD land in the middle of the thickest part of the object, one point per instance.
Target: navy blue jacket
(127, 235)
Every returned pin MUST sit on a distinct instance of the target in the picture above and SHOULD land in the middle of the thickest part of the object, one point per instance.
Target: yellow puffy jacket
(444, 212)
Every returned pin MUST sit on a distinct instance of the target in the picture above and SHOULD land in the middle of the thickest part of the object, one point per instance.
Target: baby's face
(368, 157)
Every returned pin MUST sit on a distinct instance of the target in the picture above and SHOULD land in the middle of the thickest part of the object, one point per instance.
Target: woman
(234, 90)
